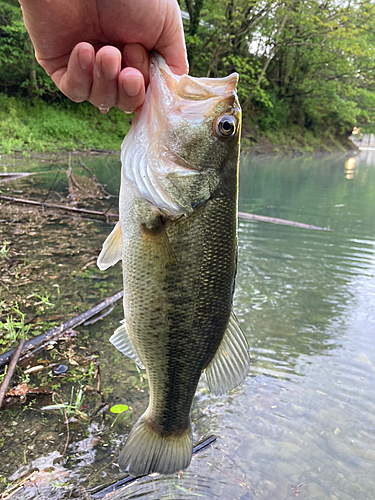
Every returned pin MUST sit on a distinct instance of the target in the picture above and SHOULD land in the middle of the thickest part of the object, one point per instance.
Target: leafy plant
(118, 410)
(44, 300)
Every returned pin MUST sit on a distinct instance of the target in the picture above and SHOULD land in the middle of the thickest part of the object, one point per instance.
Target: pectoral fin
(120, 339)
(112, 249)
(231, 362)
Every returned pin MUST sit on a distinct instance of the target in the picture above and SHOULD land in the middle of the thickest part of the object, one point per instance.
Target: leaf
(20, 390)
(119, 408)
(54, 407)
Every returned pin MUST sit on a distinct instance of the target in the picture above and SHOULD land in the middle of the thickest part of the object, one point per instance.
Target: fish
(177, 239)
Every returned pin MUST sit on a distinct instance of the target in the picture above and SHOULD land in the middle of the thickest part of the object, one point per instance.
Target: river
(303, 423)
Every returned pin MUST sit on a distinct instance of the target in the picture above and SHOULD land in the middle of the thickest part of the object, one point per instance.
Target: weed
(73, 407)
(4, 250)
(44, 301)
(14, 328)
(119, 410)
(39, 126)
(91, 372)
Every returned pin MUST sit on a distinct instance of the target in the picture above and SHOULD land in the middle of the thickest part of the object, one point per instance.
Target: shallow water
(303, 423)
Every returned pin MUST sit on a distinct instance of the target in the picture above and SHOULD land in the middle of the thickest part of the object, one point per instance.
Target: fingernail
(134, 55)
(109, 67)
(132, 85)
(85, 58)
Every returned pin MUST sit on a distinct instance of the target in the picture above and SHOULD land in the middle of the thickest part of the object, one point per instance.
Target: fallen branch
(58, 207)
(53, 183)
(72, 180)
(241, 215)
(9, 373)
(37, 343)
(201, 445)
(95, 179)
(11, 176)
(284, 222)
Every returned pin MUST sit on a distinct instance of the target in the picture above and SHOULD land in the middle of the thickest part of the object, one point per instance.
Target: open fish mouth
(189, 95)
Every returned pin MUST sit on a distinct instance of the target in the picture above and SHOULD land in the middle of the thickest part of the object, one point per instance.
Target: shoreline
(32, 128)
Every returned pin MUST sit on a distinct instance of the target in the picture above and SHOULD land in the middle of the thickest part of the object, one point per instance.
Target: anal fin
(112, 249)
(120, 339)
(231, 362)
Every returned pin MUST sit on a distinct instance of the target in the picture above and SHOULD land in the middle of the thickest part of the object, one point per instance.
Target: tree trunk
(33, 85)
(194, 8)
(272, 51)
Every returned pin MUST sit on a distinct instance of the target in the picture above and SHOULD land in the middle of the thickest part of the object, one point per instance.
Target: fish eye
(225, 127)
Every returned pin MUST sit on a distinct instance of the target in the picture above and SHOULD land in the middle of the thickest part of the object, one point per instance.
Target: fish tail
(146, 450)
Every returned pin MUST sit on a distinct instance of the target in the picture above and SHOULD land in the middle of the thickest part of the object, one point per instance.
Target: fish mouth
(192, 96)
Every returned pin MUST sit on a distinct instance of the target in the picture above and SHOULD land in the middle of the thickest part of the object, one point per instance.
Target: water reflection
(349, 167)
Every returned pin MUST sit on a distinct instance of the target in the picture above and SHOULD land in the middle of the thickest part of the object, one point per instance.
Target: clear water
(303, 423)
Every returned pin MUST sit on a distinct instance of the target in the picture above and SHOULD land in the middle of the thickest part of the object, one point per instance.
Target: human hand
(97, 50)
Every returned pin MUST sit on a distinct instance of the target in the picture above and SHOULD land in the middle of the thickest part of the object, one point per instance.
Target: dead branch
(73, 182)
(37, 343)
(241, 215)
(50, 189)
(58, 207)
(284, 222)
(9, 373)
(95, 179)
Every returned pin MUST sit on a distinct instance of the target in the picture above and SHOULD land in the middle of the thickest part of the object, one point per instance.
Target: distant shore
(32, 127)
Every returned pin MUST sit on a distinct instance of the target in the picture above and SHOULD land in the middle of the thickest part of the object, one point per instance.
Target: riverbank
(292, 141)
(28, 127)
(34, 126)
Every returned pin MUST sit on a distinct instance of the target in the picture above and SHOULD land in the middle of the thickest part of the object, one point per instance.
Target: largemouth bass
(176, 237)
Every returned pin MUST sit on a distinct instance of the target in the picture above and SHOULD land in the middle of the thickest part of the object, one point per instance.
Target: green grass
(36, 126)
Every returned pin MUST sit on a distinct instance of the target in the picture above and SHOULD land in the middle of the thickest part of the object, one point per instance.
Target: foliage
(301, 62)
(19, 72)
(72, 407)
(119, 408)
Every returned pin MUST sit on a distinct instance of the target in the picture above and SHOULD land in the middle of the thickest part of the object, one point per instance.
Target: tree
(19, 72)
(306, 63)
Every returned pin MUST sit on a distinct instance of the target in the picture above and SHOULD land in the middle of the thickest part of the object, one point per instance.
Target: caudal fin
(147, 451)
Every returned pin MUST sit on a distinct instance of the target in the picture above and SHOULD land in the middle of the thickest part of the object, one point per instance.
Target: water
(303, 423)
